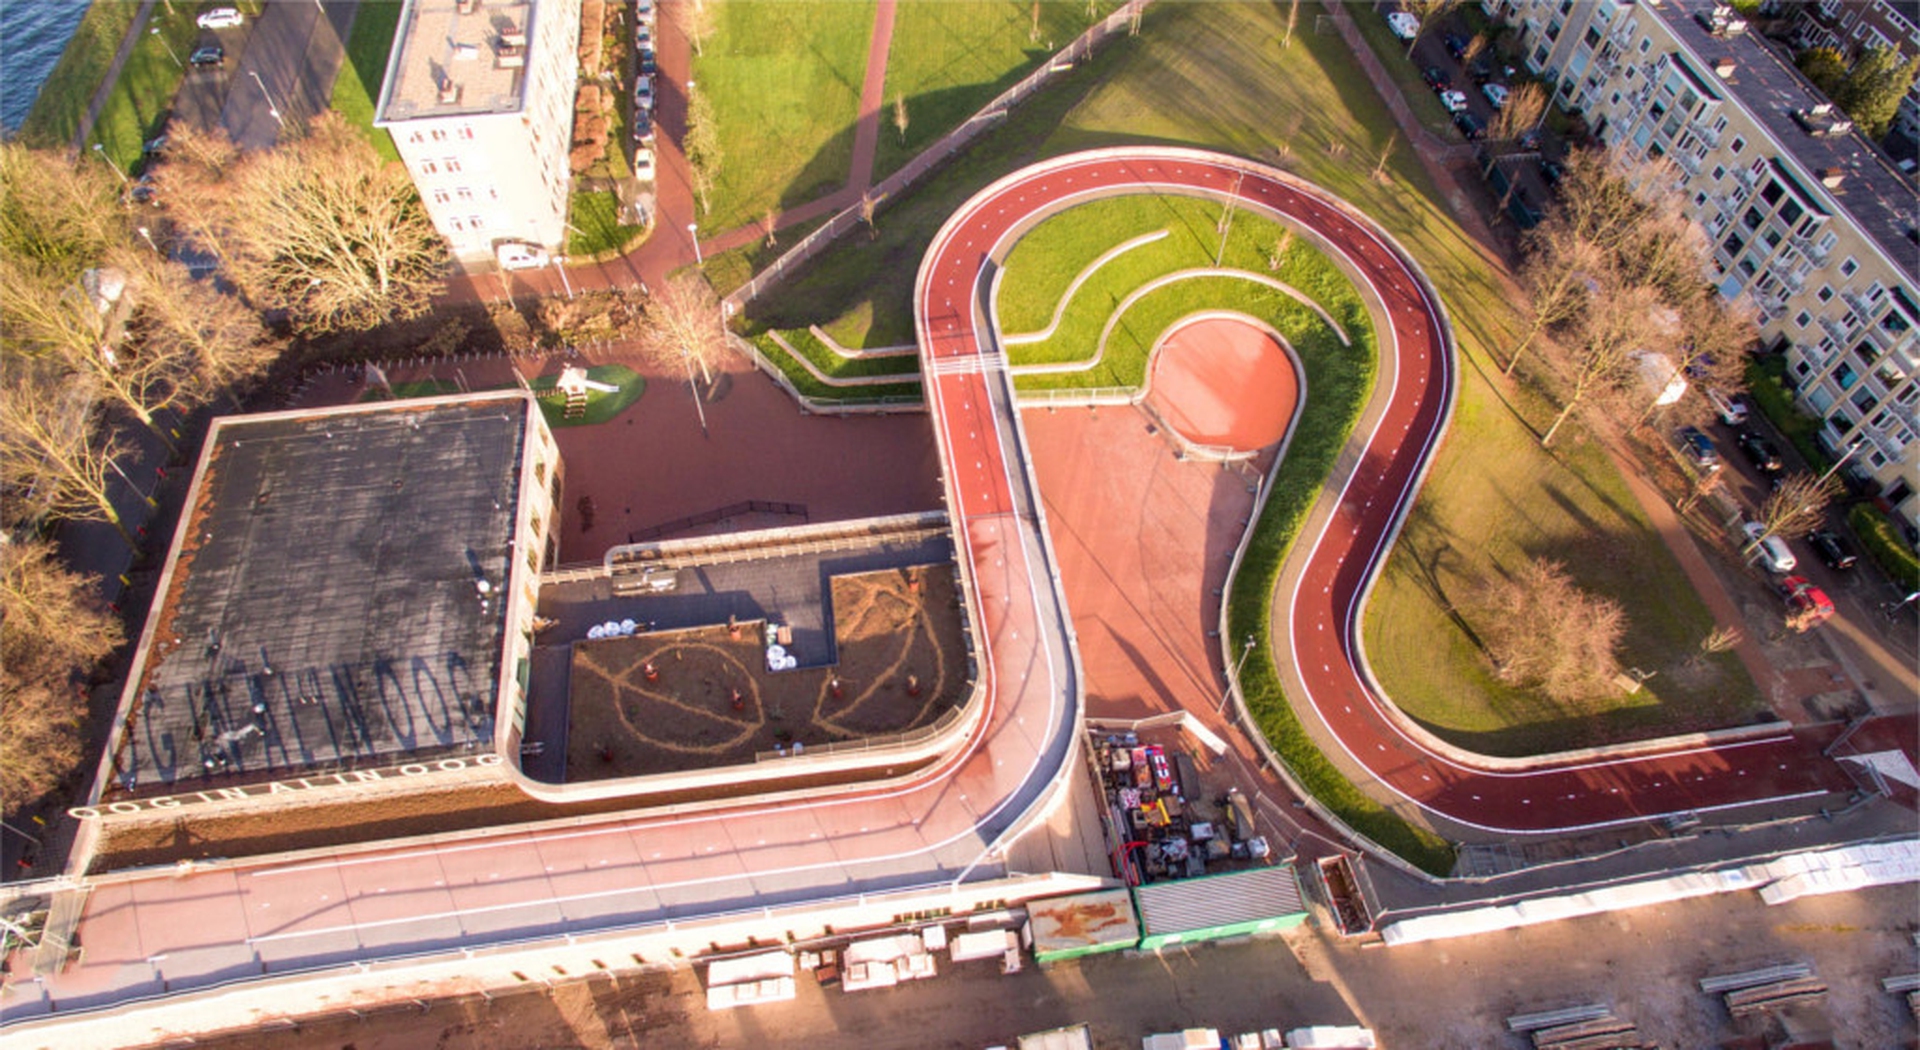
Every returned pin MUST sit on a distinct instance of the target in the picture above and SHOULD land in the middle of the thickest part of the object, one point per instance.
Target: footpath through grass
(62, 103)
(357, 89)
(784, 81)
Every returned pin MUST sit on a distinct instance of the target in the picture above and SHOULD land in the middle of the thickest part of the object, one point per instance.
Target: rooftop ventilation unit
(449, 92)
(466, 52)
(1722, 21)
(1823, 121)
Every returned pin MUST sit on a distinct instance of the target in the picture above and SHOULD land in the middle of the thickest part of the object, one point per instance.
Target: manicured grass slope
(950, 59)
(62, 102)
(784, 80)
(357, 90)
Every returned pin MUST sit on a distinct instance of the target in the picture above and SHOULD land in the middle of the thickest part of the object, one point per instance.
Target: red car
(1807, 605)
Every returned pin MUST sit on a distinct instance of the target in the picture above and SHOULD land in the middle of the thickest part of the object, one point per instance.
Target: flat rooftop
(323, 607)
(455, 57)
(1881, 201)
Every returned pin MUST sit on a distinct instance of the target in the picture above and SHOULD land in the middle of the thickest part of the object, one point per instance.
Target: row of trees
(1869, 90)
(1619, 272)
(52, 632)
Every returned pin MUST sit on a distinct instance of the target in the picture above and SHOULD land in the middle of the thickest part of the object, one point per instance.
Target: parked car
(1456, 46)
(1455, 101)
(647, 64)
(1807, 605)
(1404, 25)
(1480, 71)
(642, 127)
(1551, 172)
(1763, 453)
(220, 18)
(1496, 94)
(209, 56)
(643, 93)
(643, 164)
(514, 255)
(1437, 78)
(1833, 549)
(1470, 126)
(1770, 551)
(144, 190)
(1699, 449)
(1732, 410)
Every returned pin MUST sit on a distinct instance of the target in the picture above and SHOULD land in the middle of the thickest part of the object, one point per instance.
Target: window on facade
(1791, 211)
(463, 193)
(1719, 172)
(1864, 401)
(439, 134)
(474, 222)
(1772, 192)
(1733, 244)
(466, 131)
(428, 167)
(1615, 100)
(1738, 145)
(416, 138)
(1645, 43)
(1844, 376)
(1752, 219)
(1592, 36)
(1905, 397)
(1802, 369)
(1773, 237)
(1747, 267)
(452, 165)
(1700, 200)
(441, 197)
(1849, 267)
(1802, 319)
(1825, 294)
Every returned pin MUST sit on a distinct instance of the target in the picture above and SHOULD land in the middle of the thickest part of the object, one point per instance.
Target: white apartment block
(479, 99)
(1810, 222)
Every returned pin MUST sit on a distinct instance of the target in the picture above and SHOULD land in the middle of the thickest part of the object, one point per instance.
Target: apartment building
(479, 100)
(1810, 222)
(1853, 26)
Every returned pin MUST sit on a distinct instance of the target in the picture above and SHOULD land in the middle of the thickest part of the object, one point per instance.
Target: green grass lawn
(601, 405)
(62, 103)
(808, 386)
(950, 59)
(596, 224)
(1393, 58)
(357, 90)
(784, 80)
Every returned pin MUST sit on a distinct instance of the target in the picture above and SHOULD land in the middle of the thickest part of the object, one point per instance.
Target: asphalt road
(279, 69)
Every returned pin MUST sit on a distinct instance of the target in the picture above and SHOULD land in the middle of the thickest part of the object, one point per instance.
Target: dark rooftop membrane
(327, 609)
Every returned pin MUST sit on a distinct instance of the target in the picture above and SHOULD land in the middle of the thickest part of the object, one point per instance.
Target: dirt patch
(701, 698)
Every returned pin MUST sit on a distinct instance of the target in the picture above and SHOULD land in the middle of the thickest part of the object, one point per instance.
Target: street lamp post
(1841, 462)
(171, 53)
(693, 230)
(147, 234)
(101, 149)
(272, 110)
(1246, 650)
(560, 264)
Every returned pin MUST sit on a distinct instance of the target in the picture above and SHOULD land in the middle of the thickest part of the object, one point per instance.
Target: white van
(515, 255)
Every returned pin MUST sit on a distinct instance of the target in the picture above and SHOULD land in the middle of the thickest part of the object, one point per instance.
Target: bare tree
(39, 732)
(696, 20)
(702, 146)
(1526, 106)
(1541, 629)
(50, 615)
(319, 227)
(900, 116)
(1598, 355)
(1796, 505)
(218, 341)
(1475, 46)
(1555, 272)
(1428, 14)
(684, 328)
(1293, 21)
(56, 217)
(54, 460)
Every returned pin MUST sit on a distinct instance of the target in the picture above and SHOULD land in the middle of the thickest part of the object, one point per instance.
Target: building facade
(479, 100)
(1810, 223)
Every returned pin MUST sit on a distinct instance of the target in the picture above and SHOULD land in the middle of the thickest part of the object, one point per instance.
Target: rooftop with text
(334, 598)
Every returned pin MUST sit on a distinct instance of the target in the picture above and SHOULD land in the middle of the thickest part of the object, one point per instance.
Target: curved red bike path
(1318, 622)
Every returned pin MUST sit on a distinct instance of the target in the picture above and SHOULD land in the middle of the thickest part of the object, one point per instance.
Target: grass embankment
(784, 81)
(357, 89)
(1215, 76)
(948, 60)
(1047, 260)
(61, 105)
(834, 365)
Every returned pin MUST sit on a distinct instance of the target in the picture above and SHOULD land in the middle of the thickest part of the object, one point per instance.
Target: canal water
(32, 35)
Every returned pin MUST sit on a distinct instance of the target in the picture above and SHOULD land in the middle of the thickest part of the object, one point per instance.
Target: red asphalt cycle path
(1319, 622)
